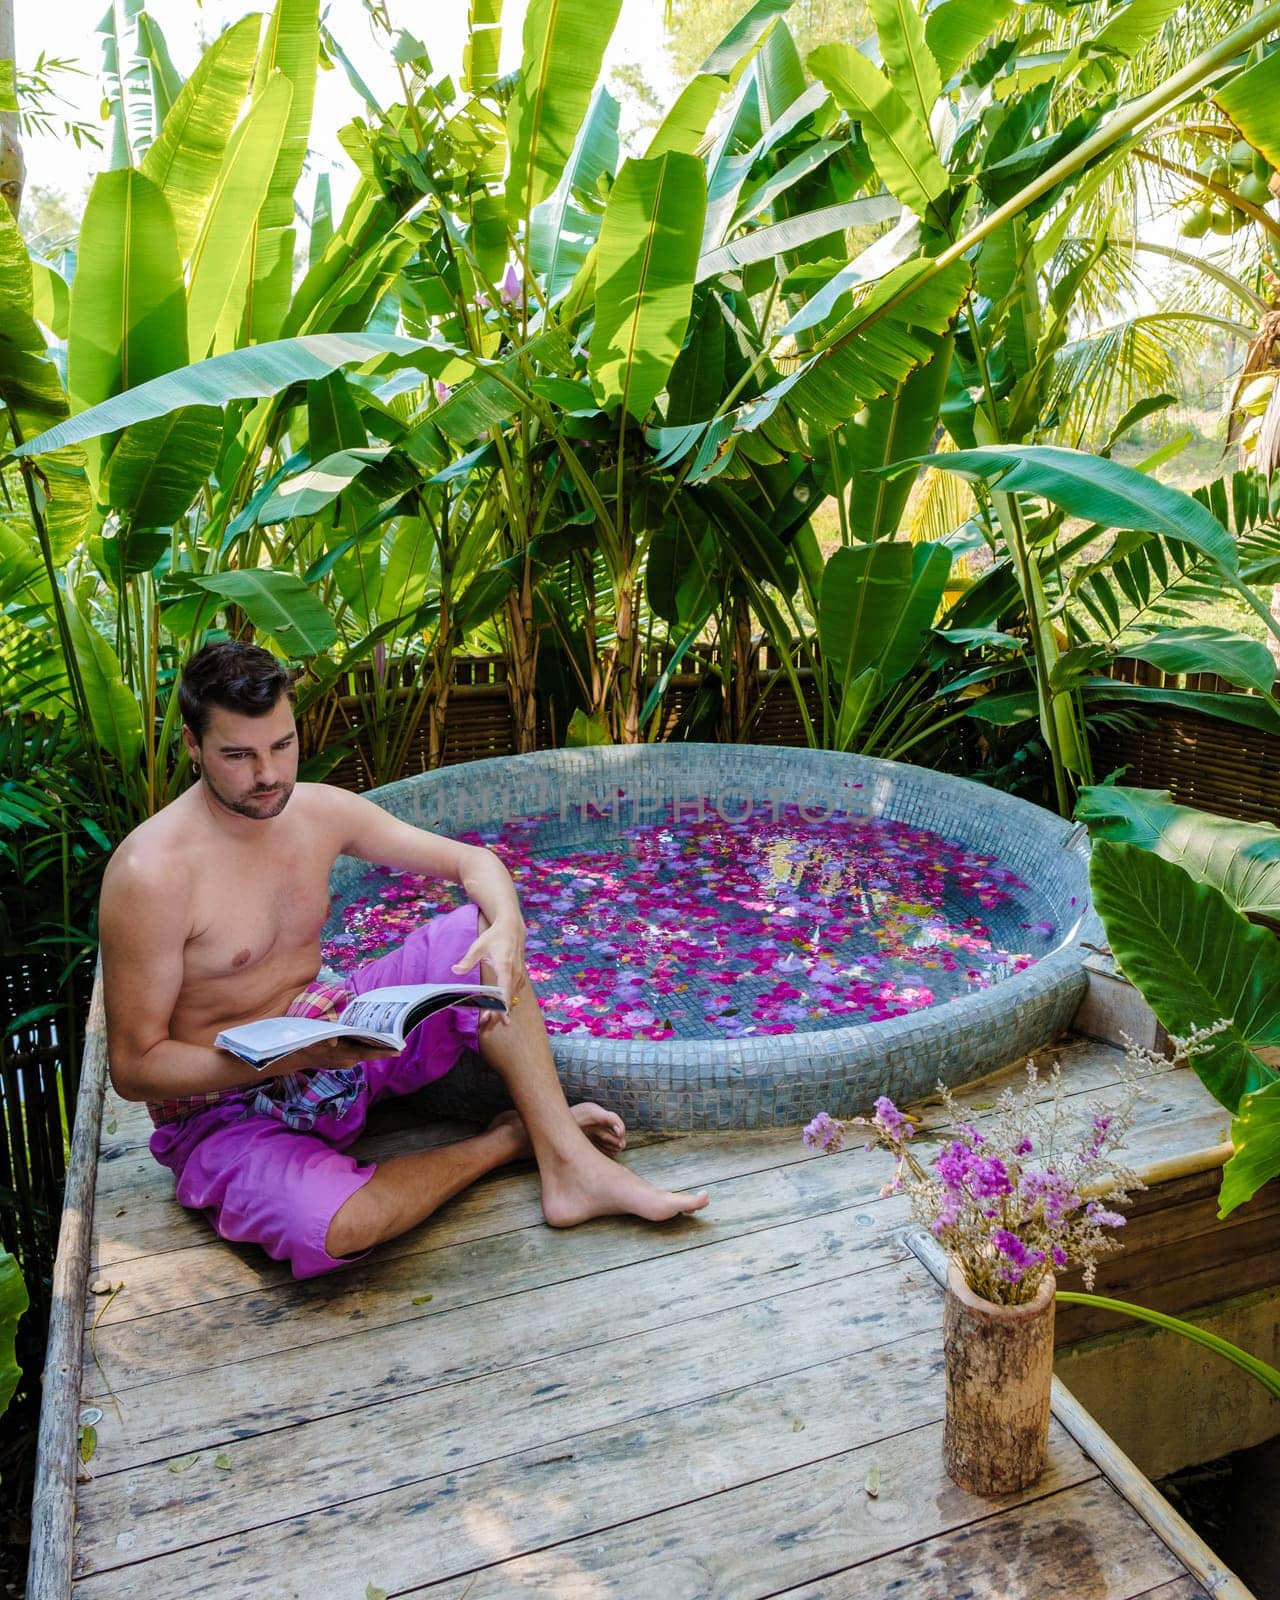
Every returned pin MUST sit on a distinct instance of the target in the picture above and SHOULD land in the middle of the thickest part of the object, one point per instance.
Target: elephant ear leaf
(1255, 1137)
(1195, 960)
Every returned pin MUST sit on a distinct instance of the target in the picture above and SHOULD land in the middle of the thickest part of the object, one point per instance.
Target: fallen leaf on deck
(223, 1461)
(372, 1592)
(104, 1286)
(88, 1441)
(182, 1463)
(422, 1299)
(798, 1425)
(122, 1211)
(873, 1481)
(112, 1125)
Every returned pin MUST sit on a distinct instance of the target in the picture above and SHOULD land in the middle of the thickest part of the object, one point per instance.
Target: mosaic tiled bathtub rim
(772, 1079)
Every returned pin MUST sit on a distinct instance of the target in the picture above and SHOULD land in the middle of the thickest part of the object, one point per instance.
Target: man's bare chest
(251, 913)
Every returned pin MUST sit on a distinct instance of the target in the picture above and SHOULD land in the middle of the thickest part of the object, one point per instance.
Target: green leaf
(1252, 100)
(51, 298)
(1245, 711)
(585, 730)
(184, 162)
(889, 429)
(778, 238)
(1240, 660)
(563, 229)
(564, 45)
(184, 1463)
(1241, 859)
(898, 138)
(647, 256)
(114, 712)
(1131, 30)
(158, 467)
(956, 28)
(1195, 960)
(221, 260)
(1097, 490)
(877, 606)
(128, 322)
(908, 61)
(223, 1462)
(291, 48)
(88, 1440)
(253, 374)
(316, 487)
(1255, 1136)
(13, 1302)
(873, 348)
(278, 603)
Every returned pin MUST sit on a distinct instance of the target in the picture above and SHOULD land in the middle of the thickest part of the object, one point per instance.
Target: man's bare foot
(605, 1129)
(590, 1186)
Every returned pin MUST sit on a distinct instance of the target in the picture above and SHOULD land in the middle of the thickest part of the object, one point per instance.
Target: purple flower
(1050, 1189)
(988, 1177)
(511, 289)
(1101, 1217)
(1018, 1252)
(1059, 1256)
(890, 1120)
(825, 1133)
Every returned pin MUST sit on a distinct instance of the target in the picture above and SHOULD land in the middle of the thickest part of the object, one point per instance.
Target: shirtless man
(211, 915)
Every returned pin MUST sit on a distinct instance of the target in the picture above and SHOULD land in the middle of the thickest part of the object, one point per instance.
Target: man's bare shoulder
(155, 857)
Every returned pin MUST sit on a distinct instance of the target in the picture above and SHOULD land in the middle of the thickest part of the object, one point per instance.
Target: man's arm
(371, 834)
(142, 925)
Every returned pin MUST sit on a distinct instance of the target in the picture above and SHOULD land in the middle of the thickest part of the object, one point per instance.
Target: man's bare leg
(405, 1190)
(578, 1181)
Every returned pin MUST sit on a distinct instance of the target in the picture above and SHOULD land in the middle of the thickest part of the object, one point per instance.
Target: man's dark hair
(235, 676)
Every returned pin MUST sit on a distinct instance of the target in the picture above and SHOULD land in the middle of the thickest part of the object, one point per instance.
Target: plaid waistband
(323, 998)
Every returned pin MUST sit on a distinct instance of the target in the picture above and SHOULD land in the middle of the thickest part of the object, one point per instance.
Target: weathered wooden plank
(54, 1493)
(482, 1514)
(1179, 1589)
(767, 1535)
(436, 1344)
(468, 1271)
(216, 1270)
(612, 1384)
(1084, 1543)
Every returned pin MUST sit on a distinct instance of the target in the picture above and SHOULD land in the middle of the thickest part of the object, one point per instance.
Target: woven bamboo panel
(1217, 766)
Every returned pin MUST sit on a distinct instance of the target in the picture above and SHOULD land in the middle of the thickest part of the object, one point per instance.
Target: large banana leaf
(564, 45)
(890, 429)
(877, 605)
(159, 466)
(220, 256)
(129, 110)
(278, 603)
(793, 232)
(1101, 491)
(1255, 1136)
(292, 48)
(484, 42)
(896, 134)
(165, 79)
(562, 230)
(955, 28)
(128, 321)
(13, 1302)
(114, 714)
(647, 256)
(31, 390)
(185, 161)
(1240, 660)
(1195, 960)
(1241, 859)
(253, 374)
(874, 347)
(908, 61)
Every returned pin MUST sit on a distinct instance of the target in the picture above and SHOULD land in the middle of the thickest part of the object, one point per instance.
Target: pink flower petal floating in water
(694, 913)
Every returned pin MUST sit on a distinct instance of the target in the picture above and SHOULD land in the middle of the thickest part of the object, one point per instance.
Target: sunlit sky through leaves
(67, 28)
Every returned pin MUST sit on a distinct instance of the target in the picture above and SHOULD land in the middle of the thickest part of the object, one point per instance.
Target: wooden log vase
(999, 1368)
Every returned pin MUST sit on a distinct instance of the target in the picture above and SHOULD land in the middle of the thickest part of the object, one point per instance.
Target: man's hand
(499, 951)
(331, 1055)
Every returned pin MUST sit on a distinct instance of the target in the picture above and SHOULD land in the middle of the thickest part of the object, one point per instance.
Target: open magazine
(382, 1016)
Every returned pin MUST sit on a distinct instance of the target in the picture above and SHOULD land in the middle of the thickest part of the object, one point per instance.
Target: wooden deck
(489, 1407)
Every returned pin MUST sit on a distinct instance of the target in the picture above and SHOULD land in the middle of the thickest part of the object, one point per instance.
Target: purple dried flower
(890, 1120)
(1101, 1217)
(989, 1177)
(825, 1133)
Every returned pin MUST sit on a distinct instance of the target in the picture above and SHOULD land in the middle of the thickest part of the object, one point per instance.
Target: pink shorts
(262, 1182)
